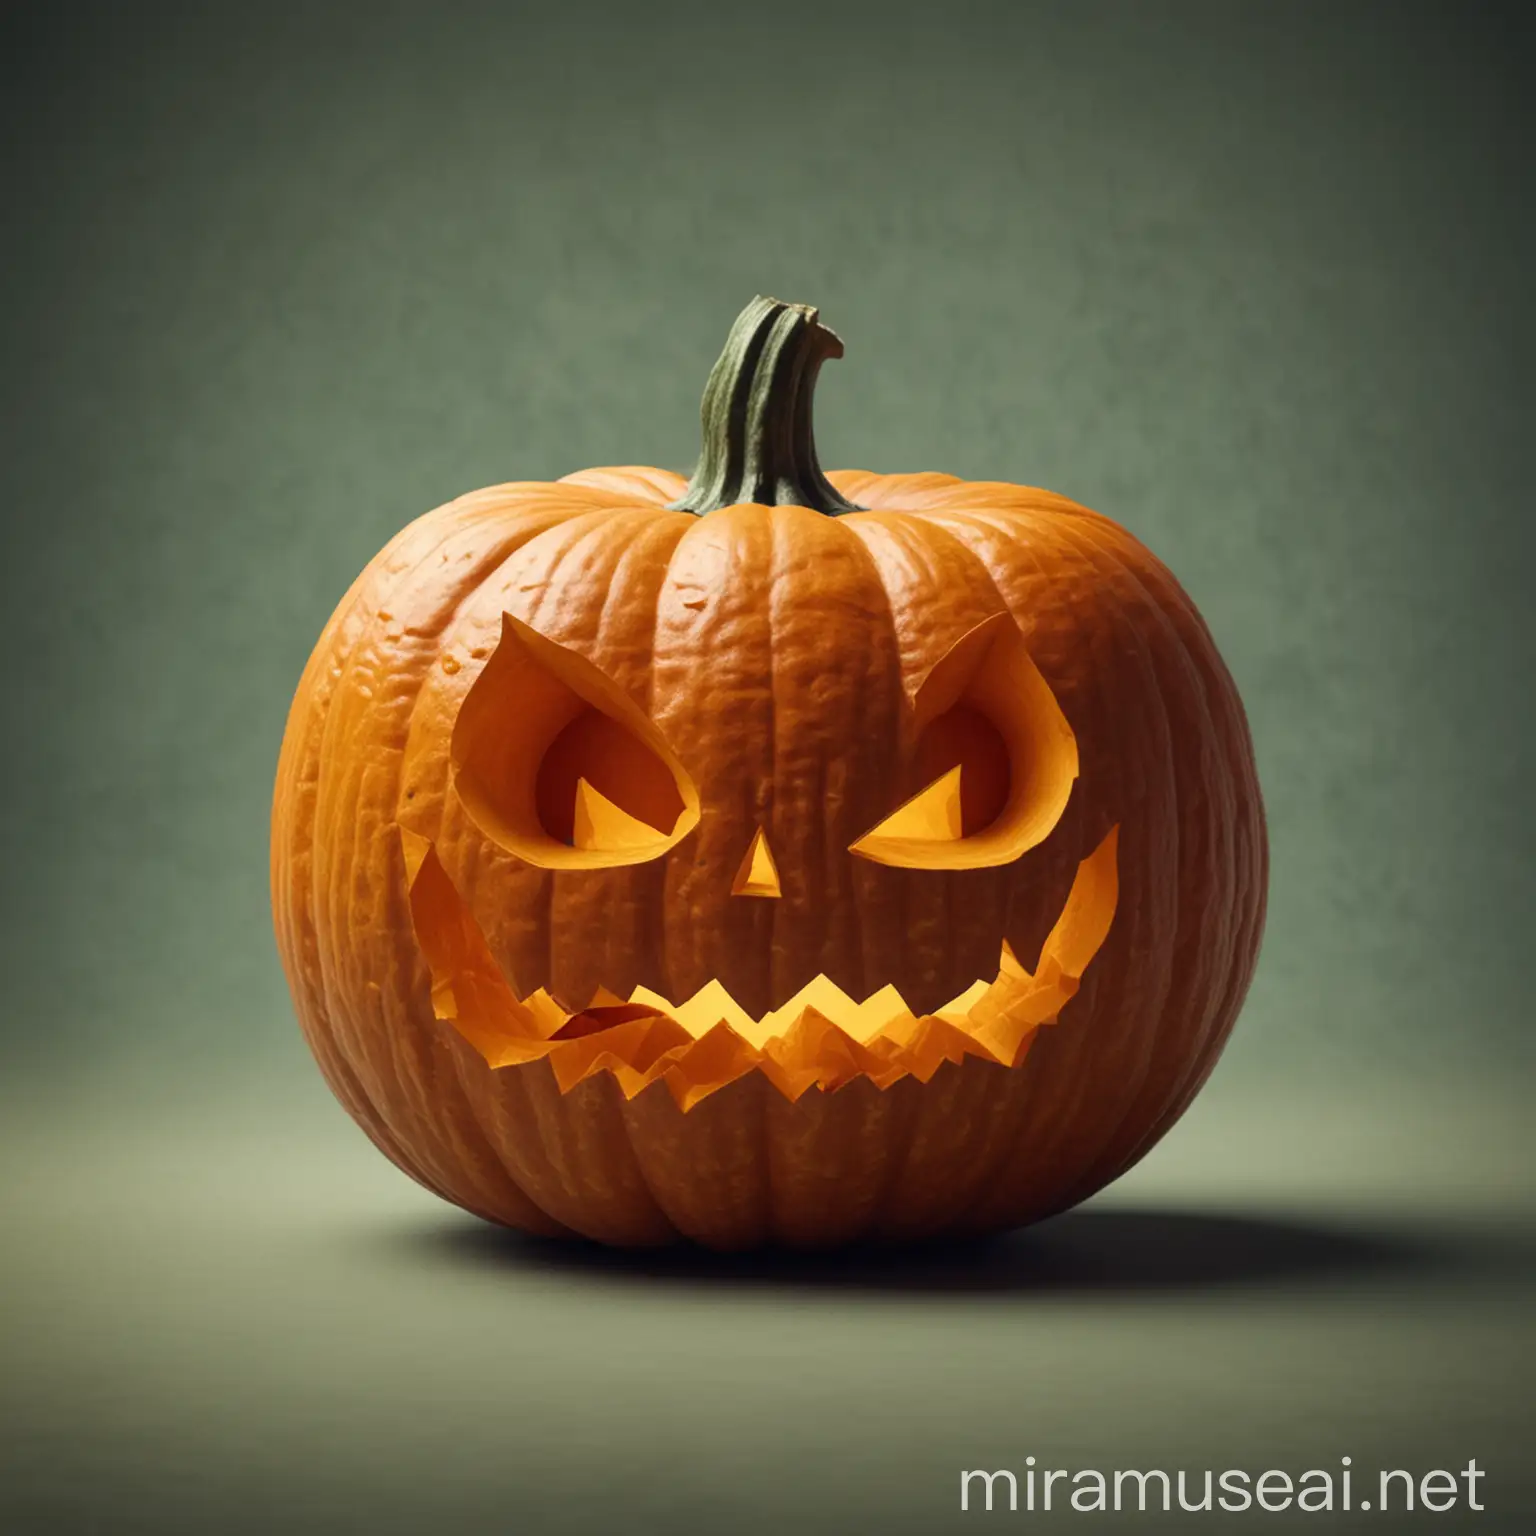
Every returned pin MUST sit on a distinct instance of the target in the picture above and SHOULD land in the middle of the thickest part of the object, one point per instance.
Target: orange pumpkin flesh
(552, 742)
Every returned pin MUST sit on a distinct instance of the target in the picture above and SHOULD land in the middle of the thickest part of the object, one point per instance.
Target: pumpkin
(773, 857)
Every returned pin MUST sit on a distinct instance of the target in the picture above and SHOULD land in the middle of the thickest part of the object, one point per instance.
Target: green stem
(756, 415)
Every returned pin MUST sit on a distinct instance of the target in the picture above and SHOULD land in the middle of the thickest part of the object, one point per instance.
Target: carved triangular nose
(758, 875)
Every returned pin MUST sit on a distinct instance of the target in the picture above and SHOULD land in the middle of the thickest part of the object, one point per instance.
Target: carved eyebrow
(986, 673)
(555, 700)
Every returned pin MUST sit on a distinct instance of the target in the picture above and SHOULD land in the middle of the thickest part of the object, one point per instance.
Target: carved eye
(558, 765)
(995, 755)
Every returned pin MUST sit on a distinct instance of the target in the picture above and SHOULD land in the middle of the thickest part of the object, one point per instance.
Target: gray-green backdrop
(1251, 277)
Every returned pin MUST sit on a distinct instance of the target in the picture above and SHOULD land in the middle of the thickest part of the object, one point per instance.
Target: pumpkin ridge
(1143, 1046)
(914, 534)
(1057, 1080)
(621, 1102)
(901, 1137)
(863, 925)
(691, 615)
(295, 832)
(1008, 526)
(1222, 1001)
(951, 520)
(1241, 834)
(460, 1125)
(485, 1105)
(296, 790)
(824, 594)
(919, 575)
(523, 585)
(631, 588)
(1221, 962)
(648, 485)
(292, 824)
(1246, 859)
(414, 1064)
(403, 1060)
(1169, 658)
(532, 1214)
(898, 492)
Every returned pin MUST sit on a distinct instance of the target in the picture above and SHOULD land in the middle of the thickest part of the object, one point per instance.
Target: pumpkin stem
(756, 415)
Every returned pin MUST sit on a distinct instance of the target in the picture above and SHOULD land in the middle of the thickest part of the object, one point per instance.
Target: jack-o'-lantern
(772, 857)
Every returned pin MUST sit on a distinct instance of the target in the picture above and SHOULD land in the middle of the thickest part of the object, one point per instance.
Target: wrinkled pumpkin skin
(775, 647)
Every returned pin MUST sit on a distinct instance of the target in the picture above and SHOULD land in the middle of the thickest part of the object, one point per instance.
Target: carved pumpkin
(776, 857)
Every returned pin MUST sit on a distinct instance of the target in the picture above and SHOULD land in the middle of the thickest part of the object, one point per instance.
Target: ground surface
(240, 1318)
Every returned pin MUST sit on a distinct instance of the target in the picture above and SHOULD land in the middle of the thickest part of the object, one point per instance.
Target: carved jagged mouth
(820, 1038)
(713, 1004)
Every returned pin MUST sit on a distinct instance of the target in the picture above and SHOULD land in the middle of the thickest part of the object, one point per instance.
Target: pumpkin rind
(774, 646)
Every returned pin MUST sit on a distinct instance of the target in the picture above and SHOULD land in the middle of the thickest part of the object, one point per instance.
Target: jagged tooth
(959, 1008)
(549, 1013)
(899, 1030)
(821, 993)
(711, 1005)
(881, 1008)
(1008, 964)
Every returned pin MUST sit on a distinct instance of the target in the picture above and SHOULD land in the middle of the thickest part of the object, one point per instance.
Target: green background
(1251, 278)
